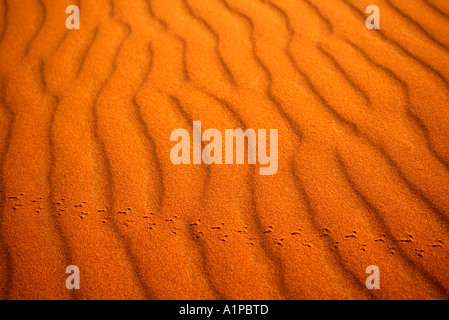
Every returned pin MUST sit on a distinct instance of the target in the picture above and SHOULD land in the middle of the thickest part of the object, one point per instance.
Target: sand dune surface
(86, 177)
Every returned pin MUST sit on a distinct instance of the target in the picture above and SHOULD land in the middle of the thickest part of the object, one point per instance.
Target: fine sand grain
(85, 171)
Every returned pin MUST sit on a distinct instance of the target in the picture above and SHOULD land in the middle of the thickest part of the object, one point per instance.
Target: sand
(85, 171)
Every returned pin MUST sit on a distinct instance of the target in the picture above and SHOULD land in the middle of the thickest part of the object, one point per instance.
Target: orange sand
(85, 170)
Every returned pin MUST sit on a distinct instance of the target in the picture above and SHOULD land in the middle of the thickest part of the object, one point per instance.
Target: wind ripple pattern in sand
(86, 177)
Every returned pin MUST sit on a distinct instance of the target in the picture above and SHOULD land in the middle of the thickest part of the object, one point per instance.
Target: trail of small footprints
(278, 240)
